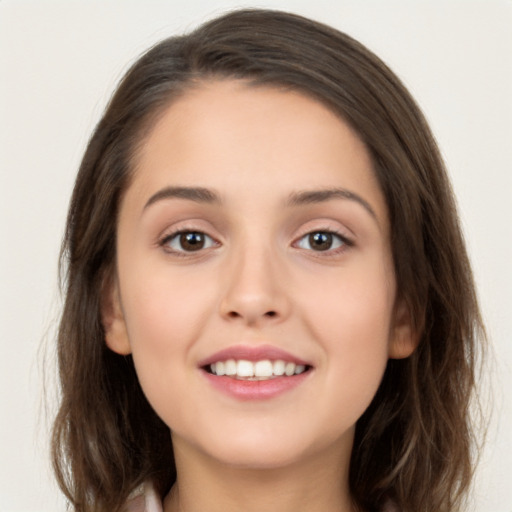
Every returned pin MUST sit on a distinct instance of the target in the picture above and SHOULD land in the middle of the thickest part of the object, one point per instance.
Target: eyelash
(176, 235)
(343, 241)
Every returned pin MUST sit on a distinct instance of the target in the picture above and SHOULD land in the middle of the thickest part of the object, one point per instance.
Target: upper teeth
(257, 369)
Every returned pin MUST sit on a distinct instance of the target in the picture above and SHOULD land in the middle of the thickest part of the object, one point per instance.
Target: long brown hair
(413, 445)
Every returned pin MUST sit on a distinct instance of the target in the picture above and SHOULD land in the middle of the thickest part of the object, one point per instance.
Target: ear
(403, 339)
(112, 318)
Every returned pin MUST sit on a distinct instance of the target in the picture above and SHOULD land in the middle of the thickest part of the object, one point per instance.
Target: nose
(255, 289)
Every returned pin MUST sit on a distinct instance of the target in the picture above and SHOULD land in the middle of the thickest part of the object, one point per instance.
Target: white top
(145, 499)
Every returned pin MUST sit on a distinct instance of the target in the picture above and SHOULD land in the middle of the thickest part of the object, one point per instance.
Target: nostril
(251, 315)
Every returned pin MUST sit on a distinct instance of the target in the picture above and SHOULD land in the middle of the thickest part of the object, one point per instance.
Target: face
(252, 241)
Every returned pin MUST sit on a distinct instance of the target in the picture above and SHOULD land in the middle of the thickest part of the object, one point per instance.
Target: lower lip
(255, 389)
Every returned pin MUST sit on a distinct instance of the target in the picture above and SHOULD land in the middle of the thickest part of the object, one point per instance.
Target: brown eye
(192, 241)
(188, 241)
(322, 241)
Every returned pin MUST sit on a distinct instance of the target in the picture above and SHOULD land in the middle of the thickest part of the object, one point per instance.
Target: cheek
(163, 308)
(351, 317)
(354, 304)
(164, 316)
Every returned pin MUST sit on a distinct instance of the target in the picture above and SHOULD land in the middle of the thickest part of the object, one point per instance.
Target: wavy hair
(414, 443)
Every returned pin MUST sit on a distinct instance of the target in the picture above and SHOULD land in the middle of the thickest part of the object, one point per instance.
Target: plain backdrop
(59, 62)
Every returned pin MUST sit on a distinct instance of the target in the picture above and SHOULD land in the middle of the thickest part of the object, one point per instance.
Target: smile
(256, 370)
(261, 372)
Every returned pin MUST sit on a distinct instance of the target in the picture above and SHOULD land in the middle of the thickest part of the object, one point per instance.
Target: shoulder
(143, 499)
(390, 507)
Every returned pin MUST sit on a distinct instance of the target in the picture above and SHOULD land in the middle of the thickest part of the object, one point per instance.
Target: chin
(258, 458)
(250, 449)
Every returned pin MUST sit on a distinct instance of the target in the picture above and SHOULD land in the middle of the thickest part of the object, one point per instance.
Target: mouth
(261, 370)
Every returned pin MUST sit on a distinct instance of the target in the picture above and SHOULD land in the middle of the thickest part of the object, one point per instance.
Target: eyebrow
(205, 195)
(196, 194)
(320, 196)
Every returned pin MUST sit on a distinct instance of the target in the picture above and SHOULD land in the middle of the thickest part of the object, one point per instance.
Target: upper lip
(252, 353)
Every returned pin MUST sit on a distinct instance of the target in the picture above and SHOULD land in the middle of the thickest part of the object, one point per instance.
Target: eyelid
(341, 234)
(327, 225)
(341, 240)
(177, 235)
(173, 233)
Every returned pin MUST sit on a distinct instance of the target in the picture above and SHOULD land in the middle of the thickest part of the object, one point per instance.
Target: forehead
(230, 133)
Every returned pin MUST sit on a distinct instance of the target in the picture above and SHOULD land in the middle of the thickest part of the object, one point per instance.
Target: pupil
(320, 241)
(192, 241)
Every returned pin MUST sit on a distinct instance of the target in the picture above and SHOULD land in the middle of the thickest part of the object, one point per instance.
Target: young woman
(269, 304)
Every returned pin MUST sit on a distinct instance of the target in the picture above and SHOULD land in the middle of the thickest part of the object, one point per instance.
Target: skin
(258, 280)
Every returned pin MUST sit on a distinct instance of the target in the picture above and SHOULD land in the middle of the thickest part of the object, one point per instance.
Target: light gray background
(59, 62)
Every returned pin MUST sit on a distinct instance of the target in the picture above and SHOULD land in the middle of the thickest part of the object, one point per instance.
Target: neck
(318, 484)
